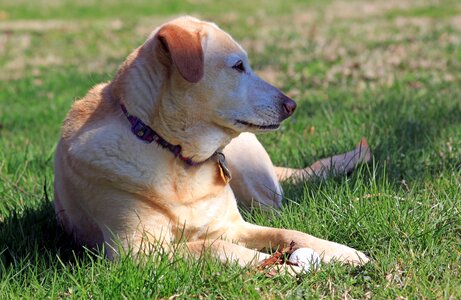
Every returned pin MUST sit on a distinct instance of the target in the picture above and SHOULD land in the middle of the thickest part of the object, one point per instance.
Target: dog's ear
(185, 50)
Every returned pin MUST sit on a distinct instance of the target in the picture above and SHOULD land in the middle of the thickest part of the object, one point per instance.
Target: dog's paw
(362, 151)
(346, 255)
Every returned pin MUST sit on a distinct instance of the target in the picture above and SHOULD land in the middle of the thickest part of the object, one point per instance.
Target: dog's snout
(289, 106)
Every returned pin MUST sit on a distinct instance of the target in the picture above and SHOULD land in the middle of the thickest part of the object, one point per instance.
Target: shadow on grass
(412, 135)
(34, 236)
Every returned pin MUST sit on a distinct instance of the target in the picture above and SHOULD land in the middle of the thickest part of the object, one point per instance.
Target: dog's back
(68, 183)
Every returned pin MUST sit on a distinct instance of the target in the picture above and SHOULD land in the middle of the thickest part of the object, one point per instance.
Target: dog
(159, 154)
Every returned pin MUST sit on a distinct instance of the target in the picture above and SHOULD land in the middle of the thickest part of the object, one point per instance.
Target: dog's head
(210, 72)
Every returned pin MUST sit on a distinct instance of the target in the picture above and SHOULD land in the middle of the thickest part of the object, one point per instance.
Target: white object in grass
(306, 258)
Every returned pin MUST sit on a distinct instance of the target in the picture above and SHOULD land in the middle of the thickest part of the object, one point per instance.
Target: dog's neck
(167, 113)
(199, 138)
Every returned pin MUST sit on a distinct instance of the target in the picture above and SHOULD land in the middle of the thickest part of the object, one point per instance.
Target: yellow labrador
(140, 158)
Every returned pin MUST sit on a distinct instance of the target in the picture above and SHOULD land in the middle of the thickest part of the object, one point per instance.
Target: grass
(389, 71)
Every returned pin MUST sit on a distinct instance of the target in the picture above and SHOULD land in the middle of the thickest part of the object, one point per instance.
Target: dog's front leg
(259, 237)
(224, 251)
(144, 243)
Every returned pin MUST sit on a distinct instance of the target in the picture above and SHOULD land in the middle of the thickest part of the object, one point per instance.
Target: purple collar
(148, 135)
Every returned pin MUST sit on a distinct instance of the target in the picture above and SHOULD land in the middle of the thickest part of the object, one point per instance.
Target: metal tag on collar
(223, 169)
(139, 129)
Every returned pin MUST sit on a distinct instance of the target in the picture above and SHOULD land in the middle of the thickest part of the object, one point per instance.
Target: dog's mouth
(257, 126)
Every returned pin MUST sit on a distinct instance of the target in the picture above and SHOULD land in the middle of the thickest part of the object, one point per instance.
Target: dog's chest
(195, 198)
(207, 218)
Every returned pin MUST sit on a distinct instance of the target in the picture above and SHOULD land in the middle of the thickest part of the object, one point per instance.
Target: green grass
(432, 11)
(389, 73)
(107, 9)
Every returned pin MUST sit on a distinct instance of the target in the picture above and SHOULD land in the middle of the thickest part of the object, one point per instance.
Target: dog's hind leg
(254, 180)
(334, 165)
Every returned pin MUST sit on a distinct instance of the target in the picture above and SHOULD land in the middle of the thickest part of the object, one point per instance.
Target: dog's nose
(289, 106)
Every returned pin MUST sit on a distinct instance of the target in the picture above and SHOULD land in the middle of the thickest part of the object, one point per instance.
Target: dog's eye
(239, 66)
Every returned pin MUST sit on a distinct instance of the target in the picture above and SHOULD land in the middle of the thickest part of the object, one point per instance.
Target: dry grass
(333, 37)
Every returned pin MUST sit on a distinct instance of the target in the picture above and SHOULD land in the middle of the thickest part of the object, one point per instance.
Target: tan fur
(111, 187)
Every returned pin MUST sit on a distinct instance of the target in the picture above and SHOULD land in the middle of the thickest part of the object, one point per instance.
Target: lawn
(387, 70)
